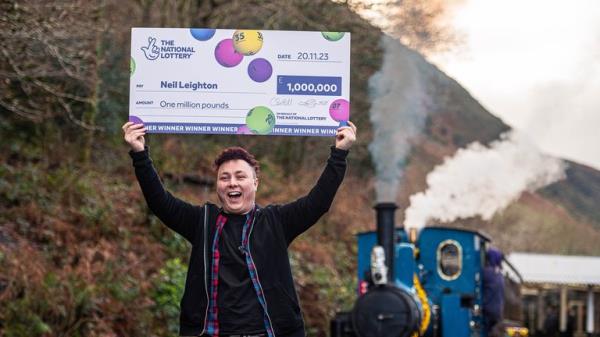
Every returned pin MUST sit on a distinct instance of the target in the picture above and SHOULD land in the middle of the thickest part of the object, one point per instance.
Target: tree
(419, 24)
(51, 62)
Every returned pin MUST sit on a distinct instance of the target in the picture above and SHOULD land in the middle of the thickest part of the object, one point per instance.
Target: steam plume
(397, 113)
(482, 181)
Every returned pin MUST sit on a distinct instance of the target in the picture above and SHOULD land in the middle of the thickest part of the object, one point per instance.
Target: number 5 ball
(247, 42)
(260, 120)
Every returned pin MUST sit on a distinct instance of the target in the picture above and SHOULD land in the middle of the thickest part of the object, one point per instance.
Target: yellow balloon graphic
(247, 42)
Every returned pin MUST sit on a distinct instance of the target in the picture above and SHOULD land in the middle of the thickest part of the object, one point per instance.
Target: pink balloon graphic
(339, 110)
(226, 54)
(244, 130)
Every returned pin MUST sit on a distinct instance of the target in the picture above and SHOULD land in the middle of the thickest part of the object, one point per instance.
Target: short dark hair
(234, 153)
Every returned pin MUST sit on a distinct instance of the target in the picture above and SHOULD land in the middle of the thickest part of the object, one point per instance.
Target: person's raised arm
(173, 212)
(301, 214)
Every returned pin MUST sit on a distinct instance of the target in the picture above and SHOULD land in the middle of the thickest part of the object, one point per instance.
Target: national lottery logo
(166, 49)
(151, 51)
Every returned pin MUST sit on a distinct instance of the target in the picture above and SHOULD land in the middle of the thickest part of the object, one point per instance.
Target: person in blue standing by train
(493, 291)
(239, 280)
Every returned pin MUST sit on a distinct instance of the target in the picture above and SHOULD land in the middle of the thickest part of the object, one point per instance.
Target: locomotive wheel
(386, 311)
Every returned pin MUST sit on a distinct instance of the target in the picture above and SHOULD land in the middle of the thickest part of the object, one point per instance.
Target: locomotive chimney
(386, 234)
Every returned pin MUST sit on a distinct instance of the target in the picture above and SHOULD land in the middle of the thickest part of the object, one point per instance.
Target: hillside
(556, 218)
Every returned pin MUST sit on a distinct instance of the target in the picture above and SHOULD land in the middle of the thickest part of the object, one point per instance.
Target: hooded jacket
(493, 287)
(273, 230)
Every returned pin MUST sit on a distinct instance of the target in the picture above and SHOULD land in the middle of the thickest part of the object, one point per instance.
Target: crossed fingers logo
(151, 51)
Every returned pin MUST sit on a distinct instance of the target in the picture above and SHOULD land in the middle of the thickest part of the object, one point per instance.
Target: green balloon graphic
(333, 36)
(131, 67)
(260, 120)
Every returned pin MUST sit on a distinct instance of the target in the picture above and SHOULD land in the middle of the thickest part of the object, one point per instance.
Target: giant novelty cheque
(222, 81)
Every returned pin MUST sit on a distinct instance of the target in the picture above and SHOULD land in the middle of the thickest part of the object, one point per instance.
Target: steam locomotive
(409, 286)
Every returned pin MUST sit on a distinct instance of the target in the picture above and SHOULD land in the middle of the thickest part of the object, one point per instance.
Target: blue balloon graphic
(202, 34)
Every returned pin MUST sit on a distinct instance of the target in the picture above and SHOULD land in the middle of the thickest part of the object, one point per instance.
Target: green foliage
(177, 246)
(52, 307)
(118, 286)
(167, 293)
(22, 176)
(25, 325)
(20, 184)
(330, 289)
(334, 287)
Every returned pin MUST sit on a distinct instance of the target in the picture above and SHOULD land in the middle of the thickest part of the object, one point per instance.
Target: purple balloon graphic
(135, 120)
(202, 34)
(226, 54)
(339, 110)
(260, 70)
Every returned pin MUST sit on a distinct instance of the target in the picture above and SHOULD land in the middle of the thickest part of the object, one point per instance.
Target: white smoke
(481, 180)
(397, 113)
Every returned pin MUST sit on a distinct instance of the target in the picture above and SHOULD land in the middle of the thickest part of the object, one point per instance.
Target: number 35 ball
(247, 42)
(260, 120)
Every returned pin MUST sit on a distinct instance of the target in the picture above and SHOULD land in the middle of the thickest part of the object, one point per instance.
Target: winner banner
(256, 82)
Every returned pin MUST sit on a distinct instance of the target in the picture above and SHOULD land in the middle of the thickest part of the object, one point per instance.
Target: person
(493, 291)
(571, 322)
(551, 323)
(239, 280)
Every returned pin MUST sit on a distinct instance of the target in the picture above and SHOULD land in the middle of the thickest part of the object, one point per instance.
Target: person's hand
(345, 136)
(134, 136)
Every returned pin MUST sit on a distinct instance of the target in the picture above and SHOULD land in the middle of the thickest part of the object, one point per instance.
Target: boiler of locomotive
(390, 304)
(429, 285)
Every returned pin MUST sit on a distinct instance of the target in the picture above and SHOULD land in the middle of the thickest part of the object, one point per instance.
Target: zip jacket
(272, 231)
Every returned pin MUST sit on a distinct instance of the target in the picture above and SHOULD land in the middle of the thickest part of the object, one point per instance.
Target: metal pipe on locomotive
(430, 285)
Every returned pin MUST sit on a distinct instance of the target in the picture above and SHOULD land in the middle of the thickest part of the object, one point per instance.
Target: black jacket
(274, 228)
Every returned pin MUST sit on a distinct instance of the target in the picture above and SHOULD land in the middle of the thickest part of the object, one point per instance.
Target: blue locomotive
(430, 285)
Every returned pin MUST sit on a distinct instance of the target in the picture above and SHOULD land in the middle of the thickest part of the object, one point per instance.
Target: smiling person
(239, 280)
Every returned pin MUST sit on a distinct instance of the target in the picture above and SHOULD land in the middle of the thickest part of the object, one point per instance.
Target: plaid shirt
(213, 310)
